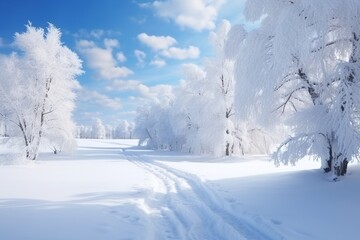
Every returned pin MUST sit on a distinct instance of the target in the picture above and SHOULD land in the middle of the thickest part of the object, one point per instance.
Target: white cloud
(100, 99)
(145, 93)
(181, 53)
(164, 46)
(144, 5)
(140, 56)
(139, 20)
(193, 14)
(121, 85)
(192, 71)
(121, 57)
(85, 44)
(97, 33)
(159, 93)
(111, 43)
(158, 63)
(156, 42)
(102, 60)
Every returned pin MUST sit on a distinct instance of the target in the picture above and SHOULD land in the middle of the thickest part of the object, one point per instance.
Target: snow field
(85, 196)
(110, 189)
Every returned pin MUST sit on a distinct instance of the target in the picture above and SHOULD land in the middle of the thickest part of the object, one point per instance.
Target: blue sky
(132, 50)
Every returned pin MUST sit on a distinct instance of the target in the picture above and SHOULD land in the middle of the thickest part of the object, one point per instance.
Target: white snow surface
(111, 189)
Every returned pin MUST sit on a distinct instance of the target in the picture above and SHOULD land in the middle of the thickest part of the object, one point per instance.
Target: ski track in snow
(191, 210)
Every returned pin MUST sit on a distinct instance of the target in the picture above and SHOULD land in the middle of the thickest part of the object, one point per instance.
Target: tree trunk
(29, 153)
(341, 169)
(335, 163)
(328, 167)
(227, 150)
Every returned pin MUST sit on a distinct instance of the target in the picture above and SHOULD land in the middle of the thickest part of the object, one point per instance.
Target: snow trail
(192, 210)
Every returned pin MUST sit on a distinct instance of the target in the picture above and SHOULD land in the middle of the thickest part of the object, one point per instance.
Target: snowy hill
(111, 189)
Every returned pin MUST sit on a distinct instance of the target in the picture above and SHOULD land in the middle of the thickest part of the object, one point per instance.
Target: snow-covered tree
(37, 85)
(122, 130)
(210, 126)
(304, 65)
(60, 140)
(98, 130)
(189, 110)
(109, 132)
(131, 129)
(83, 131)
(220, 76)
(153, 126)
(2, 129)
(203, 108)
(201, 118)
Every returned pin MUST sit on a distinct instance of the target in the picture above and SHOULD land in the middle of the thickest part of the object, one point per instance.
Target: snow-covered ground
(111, 189)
